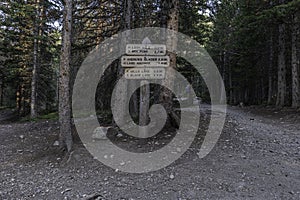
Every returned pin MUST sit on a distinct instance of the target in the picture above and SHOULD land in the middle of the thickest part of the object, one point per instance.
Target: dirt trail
(257, 157)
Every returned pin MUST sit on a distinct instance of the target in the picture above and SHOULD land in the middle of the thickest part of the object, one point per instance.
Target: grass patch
(49, 116)
(5, 107)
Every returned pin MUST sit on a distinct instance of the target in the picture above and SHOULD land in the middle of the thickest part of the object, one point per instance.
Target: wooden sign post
(144, 62)
(144, 103)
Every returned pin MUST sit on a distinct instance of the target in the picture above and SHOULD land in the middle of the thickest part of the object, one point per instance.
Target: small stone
(172, 176)
(56, 143)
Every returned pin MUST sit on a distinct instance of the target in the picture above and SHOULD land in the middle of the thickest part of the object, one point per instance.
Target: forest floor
(257, 157)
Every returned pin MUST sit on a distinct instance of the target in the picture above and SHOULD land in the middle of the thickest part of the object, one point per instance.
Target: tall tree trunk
(172, 24)
(33, 101)
(18, 98)
(223, 60)
(270, 70)
(224, 63)
(128, 15)
(66, 139)
(231, 91)
(21, 99)
(1, 92)
(131, 83)
(122, 91)
(262, 89)
(295, 63)
(281, 93)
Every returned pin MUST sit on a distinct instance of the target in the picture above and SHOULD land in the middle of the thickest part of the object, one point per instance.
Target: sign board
(146, 49)
(145, 73)
(145, 61)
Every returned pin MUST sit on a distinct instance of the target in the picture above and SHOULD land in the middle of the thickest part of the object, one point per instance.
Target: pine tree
(66, 139)
(295, 62)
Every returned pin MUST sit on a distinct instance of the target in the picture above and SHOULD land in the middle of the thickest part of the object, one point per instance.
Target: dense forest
(255, 45)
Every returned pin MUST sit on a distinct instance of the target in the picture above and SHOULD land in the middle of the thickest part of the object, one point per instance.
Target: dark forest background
(255, 45)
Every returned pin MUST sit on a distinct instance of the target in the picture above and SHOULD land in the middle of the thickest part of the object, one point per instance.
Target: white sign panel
(145, 73)
(146, 49)
(145, 61)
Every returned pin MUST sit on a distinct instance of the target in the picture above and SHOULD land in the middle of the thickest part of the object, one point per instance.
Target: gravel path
(257, 157)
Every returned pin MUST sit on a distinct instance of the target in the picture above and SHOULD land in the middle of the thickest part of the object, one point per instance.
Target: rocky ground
(257, 157)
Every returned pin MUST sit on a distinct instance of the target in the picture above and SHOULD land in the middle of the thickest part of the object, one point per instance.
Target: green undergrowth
(49, 116)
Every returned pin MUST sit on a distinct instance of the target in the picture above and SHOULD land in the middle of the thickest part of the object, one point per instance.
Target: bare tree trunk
(18, 98)
(224, 62)
(128, 14)
(21, 100)
(172, 24)
(224, 71)
(66, 139)
(270, 70)
(295, 63)
(131, 83)
(281, 93)
(1, 92)
(33, 101)
(122, 90)
(231, 91)
(262, 89)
